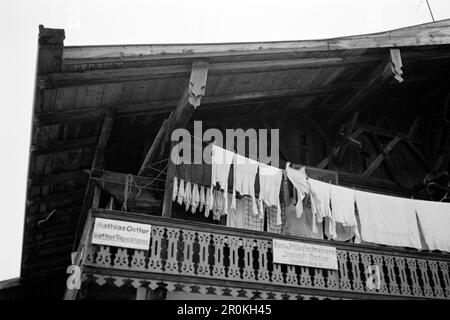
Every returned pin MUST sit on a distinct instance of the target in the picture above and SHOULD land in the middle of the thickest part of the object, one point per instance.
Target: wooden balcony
(218, 259)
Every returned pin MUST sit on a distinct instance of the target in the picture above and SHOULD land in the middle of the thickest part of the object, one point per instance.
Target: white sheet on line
(434, 220)
(387, 220)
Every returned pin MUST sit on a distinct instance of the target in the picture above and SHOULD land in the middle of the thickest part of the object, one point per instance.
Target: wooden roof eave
(435, 33)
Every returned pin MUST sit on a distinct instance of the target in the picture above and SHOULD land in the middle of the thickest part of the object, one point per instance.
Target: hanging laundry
(272, 216)
(208, 201)
(195, 198)
(202, 199)
(180, 195)
(244, 175)
(269, 188)
(320, 202)
(300, 227)
(110, 205)
(387, 220)
(252, 221)
(343, 212)
(187, 195)
(221, 160)
(338, 232)
(175, 189)
(219, 204)
(301, 184)
(434, 221)
(236, 217)
(196, 173)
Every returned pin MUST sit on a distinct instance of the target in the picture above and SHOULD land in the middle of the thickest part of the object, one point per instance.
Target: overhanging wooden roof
(140, 84)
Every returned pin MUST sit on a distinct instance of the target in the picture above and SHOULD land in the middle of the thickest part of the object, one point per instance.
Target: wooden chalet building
(370, 112)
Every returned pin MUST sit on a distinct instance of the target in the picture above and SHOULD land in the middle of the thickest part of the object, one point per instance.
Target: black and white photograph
(237, 157)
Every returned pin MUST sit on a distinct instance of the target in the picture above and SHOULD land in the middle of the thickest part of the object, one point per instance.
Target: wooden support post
(151, 152)
(96, 197)
(167, 203)
(97, 163)
(99, 156)
(179, 118)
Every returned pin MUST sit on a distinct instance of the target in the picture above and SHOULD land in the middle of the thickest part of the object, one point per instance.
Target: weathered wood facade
(373, 109)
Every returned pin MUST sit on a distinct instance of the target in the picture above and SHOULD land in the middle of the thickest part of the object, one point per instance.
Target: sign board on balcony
(119, 233)
(304, 254)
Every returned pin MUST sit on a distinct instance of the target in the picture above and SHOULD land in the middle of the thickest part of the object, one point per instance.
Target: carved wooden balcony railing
(217, 255)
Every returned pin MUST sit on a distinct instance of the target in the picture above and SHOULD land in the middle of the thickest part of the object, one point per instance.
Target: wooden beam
(179, 118)
(152, 151)
(281, 93)
(167, 202)
(97, 163)
(182, 114)
(89, 77)
(165, 106)
(387, 162)
(379, 159)
(434, 33)
(99, 155)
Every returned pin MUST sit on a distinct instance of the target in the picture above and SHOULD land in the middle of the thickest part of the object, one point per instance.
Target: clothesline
(382, 219)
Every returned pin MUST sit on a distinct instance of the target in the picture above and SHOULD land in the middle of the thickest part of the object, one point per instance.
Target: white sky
(155, 21)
